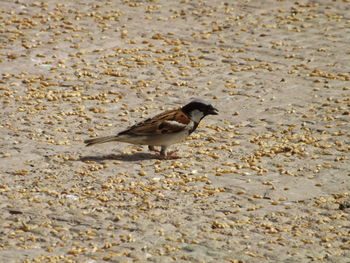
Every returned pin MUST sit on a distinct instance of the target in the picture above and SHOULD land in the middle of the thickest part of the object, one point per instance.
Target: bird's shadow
(120, 157)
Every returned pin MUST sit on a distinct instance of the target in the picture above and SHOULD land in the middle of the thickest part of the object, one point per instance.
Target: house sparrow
(164, 129)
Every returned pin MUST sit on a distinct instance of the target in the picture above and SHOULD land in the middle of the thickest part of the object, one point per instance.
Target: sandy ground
(267, 180)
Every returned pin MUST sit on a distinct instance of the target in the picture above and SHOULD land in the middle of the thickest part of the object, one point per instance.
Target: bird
(164, 129)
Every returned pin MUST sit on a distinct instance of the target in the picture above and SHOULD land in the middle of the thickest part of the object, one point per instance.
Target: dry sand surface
(267, 180)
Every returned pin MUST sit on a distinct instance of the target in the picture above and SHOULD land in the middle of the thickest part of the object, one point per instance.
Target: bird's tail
(90, 142)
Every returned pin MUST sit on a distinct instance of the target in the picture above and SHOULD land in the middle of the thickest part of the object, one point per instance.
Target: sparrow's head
(198, 109)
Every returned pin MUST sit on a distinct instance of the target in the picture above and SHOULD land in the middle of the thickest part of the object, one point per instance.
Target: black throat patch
(195, 125)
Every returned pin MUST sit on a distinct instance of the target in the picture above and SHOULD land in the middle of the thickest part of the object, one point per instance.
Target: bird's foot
(170, 156)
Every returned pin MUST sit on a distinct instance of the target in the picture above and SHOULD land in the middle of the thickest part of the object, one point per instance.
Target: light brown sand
(267, 180)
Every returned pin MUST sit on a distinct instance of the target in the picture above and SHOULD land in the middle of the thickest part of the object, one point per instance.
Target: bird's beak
(213, 111)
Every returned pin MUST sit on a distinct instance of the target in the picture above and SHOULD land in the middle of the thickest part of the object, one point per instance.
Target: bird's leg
(163, 152)
(170, 155)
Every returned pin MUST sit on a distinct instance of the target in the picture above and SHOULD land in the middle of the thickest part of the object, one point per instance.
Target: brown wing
(163, 123)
